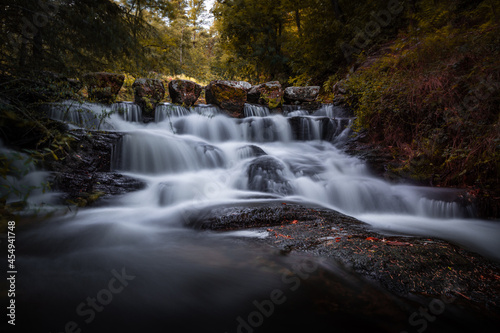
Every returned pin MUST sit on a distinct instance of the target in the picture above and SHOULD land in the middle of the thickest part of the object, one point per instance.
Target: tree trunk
(297, 21)
(182, 42)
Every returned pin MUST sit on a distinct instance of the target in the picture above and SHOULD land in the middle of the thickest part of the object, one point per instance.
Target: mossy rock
(103, 87)
(184, 92)
(269, 94)
(231, 96)
(148, 93)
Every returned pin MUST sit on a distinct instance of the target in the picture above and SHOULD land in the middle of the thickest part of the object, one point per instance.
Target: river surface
(132, 265)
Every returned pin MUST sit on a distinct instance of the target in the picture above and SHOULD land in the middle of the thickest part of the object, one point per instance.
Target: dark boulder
(86, 174)
(148, 93)
(184, 92)
(103, 87)
(269, 94)
(298, 95)
(228, 95)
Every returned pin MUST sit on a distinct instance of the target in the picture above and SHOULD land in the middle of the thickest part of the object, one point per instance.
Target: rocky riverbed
(427, 270)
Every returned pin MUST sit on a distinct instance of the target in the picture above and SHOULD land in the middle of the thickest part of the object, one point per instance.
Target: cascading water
(85, 115)
(167, 110)
(197, 159)
(252, 110)
(331, 111)
(129, 111)
(302, 161)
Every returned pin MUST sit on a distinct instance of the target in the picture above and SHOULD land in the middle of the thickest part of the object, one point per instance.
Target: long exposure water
(149, 272)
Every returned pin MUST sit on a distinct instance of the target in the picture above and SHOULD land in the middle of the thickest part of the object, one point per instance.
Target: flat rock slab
(404, 266)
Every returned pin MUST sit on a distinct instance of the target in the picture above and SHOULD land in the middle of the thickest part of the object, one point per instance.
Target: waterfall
(137, 257)
(200, 155)
(168, 110)
(331, 111)
(128, 111)
(207, 110)
(84, 115)
(296, 113)
(153, 153)
(269, 146)
(252, 110)
(294, 110)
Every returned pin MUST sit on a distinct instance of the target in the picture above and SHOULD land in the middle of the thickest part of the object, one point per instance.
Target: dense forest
(422, 76)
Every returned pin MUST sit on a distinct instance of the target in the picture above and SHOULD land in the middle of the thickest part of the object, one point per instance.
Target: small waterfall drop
(128, 111)
(331, 111)
(168, 110)
(252, 110)
(84, 115)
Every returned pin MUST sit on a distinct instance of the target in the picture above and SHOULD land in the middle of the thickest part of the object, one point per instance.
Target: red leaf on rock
(395, 243)
(372, 239)
(295, 221)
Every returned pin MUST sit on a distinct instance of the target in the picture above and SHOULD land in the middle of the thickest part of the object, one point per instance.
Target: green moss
(272, 97)
(224, 93)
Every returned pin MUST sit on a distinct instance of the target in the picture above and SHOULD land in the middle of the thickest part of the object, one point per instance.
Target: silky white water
(193, 158)
(173, 278)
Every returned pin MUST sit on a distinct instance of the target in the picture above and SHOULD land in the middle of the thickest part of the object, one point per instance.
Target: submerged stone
(267, 174)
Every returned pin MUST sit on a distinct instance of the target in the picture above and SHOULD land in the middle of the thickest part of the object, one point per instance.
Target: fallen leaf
(372, 239)
(295, 221)
(396, 243)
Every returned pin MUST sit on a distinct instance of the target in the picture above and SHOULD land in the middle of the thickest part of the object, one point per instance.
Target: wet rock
(376, 156)
(85, 175)
(148, 93)
(85, 189)
(299, 95)
(184, 92)
(228, 95)
(103, 87)
(269, 94)
(267, 174)
(405, 266)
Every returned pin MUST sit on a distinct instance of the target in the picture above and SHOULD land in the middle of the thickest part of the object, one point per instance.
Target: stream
(132, 264)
